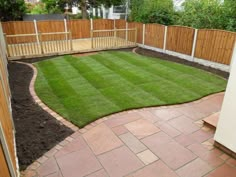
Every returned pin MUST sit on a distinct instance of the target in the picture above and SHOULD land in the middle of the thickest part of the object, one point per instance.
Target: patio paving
(168, 141)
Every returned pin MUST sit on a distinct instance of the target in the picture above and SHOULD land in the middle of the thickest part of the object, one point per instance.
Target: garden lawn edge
(69, 124)
(40, 102)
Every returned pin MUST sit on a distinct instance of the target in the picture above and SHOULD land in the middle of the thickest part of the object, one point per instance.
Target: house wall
(226, 128)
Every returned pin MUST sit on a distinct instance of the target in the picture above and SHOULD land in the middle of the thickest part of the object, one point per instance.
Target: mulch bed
(163, 56)
(36, 130)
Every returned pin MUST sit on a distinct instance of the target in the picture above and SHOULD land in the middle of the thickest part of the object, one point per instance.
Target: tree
(12, 10)
(202, 14)
(38, 8)
(152, 11)
(230, 15)
(55, 6)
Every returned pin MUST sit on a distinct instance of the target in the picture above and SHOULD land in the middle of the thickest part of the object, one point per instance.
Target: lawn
(83, 89)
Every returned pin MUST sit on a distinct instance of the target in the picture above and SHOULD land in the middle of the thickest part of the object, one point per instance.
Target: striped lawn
(83, 89)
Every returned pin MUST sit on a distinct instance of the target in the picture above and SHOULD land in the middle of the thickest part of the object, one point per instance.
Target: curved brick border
(31, 169)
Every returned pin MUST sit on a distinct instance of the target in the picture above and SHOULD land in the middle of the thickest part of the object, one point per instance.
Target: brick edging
(40, 102)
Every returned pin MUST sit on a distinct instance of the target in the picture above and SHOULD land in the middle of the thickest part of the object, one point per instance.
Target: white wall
(226, 128)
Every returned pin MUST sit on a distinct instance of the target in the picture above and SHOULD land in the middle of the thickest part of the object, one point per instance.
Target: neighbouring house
(32, 1)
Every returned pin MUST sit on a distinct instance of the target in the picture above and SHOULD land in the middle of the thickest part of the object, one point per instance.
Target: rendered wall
(226, 128)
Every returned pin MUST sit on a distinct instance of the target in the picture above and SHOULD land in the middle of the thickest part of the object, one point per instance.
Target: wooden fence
(215, 45)
(8, 162)
(154, 35)
(79, 28)
(180, 39)
(210, 45)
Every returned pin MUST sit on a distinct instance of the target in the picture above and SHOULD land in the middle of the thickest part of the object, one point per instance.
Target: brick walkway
(152, 142)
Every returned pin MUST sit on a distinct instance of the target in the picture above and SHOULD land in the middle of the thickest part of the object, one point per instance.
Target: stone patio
(167, 141)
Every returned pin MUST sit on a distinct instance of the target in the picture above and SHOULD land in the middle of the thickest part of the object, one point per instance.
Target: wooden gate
(8, 162)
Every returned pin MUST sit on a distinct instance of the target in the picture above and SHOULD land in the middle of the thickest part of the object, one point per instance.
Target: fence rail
(43, 43)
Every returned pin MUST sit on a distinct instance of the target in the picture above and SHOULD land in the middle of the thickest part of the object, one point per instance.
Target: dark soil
(159, 55)
(36, 130)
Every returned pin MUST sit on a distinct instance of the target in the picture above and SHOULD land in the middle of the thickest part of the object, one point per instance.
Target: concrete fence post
(144, 34)
(194, 43)
(66, 30)
(91, 24)
(36, 31)
(165, 39)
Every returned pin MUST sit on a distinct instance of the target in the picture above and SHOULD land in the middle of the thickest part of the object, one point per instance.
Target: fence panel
(103, 24)
(180, 39)
(50, 26)
(4, 169)
(121, 24)
(79, 28)
(215, 45)
(139, 27)
(19, 27)
(5, 107)
(154, 35)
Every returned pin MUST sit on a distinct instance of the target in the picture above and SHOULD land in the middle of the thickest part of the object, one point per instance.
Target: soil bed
(159, 55)
(36, 130)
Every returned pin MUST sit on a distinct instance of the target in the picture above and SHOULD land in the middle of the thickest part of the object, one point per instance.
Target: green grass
(86, 88)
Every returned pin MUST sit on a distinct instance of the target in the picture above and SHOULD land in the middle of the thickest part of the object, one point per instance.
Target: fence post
(91, 33)
(71, 44)
(41, 42)
(165, 39)
(144, 34)
(135, 40)
(115, 37)
(36, 31)
(194, 43)
(65, 25)
(114, 24)
(5, 37)
(126, 31)
(91, 24)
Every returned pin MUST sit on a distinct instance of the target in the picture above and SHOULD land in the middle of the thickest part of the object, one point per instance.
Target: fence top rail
(217, 30)
(55, 33)
(111, 30)
(34, 34)
(20, 35)
(179, 26)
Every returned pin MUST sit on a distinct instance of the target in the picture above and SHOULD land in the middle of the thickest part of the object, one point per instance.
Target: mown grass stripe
(135, 79)
(104, 86)
(197, 73)
(184, 80)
